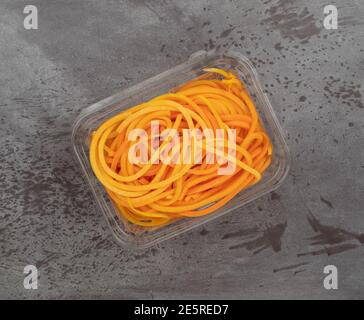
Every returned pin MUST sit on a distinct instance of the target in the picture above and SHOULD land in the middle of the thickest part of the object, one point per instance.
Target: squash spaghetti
(153, 193)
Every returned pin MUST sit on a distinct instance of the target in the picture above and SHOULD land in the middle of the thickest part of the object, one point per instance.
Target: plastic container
(137, 237)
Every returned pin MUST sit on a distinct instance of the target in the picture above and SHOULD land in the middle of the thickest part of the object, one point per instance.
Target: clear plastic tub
(138, 237)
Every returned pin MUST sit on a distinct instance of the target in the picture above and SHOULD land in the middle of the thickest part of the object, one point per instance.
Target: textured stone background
(274, 248)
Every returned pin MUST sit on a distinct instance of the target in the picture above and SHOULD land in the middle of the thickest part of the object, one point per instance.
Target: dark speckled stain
(330, 250)
(290, 267)
(334, 239)
(203, 232)
(269, 238)
(302, 99)
(278, 46)
(49, 256)
(347, 93)
(226, 32)
(327, 202)
(290, 21)
(275, 196)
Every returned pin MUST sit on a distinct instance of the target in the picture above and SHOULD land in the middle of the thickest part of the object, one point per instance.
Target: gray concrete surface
(276, 247)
